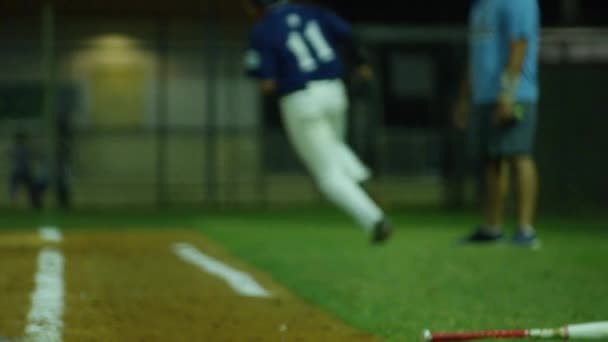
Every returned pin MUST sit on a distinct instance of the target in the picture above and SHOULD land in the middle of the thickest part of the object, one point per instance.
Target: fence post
(211, 135)
(162, 113)
(49, 89)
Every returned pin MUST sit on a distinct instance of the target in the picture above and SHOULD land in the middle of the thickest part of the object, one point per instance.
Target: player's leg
(497, 184)
(335, 99)
(33, 191)
(62, 185)
(314, 141)
(527, 186)
(517, 142)
(339, 120)
(351, 164)
(494, 175)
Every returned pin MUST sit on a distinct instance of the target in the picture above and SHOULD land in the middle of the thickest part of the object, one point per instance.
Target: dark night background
(570, 86)
(446, 12)
(414, 12)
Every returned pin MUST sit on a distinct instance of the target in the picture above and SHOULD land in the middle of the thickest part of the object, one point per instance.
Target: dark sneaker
(382, 231)
(482, 235)
(525, 239)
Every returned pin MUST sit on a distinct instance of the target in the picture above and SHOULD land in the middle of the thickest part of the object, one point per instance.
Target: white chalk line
(241, 282)
(44, 321)
(50, 234)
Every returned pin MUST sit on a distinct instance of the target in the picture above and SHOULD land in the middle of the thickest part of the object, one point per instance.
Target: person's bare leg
(527, 188)
(497, 183)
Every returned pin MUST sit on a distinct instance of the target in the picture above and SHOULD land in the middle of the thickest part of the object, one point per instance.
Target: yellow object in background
(117, 95)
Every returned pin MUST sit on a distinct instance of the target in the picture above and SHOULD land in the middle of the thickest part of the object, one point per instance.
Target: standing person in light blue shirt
(501, 92)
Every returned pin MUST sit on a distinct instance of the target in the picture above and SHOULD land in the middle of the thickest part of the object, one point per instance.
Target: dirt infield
(131, 286)
(18, 253)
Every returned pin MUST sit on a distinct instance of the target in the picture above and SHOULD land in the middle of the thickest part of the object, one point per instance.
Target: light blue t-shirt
(493, 25)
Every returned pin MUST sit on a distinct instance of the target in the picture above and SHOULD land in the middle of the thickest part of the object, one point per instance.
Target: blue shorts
(488, 140)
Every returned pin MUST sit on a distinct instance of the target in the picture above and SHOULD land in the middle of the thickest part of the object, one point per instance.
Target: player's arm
(260, 65)
(509, 81)
(357, 52)
(344, 35)
(267, 87)
(460, 113)
(518, 18)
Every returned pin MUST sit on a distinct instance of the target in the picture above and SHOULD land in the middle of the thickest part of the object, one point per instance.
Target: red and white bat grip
(473, 335)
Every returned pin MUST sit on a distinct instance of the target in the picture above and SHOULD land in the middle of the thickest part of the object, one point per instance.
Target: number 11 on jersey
(313, 37)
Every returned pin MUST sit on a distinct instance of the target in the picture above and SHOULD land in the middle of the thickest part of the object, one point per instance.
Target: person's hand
(504, 112)
(460, 114)
(362, 80)
(365, 72)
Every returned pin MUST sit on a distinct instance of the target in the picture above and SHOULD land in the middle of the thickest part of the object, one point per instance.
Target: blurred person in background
(66, 102)
(293, 53)
(26, 170)
(501, 94)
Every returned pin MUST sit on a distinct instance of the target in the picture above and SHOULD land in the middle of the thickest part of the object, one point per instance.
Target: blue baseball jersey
(294, 44)
(493, 25)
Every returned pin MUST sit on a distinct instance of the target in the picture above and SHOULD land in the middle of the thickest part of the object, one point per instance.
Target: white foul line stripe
(44, 321)
(51, 234)
(241, 282)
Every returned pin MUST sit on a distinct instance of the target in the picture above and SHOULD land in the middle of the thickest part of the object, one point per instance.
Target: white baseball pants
(315, 121)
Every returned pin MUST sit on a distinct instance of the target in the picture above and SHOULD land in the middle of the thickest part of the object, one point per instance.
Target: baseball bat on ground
(583, 331)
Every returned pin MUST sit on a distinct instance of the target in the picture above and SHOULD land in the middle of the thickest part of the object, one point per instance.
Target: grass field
(420, 279)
